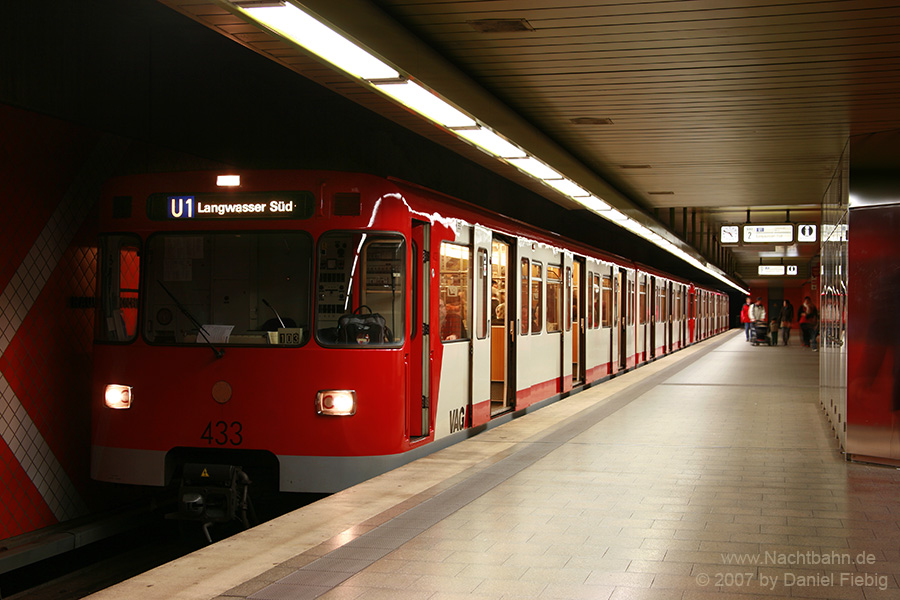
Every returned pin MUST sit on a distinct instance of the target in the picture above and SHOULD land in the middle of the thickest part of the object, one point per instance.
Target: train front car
(264, 325)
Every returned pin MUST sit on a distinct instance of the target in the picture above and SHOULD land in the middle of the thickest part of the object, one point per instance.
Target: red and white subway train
(323, 327)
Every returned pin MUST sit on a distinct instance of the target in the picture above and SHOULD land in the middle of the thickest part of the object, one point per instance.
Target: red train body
(234, 324)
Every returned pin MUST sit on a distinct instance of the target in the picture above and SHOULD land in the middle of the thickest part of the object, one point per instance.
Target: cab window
(119, 288)
(226, 288)
(361, 289)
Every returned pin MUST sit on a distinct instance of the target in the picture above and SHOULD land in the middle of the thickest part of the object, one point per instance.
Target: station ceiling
(719, 111)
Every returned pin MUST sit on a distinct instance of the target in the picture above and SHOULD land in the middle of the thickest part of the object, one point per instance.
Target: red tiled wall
(45, 359)
(21, 507)
(39, 157)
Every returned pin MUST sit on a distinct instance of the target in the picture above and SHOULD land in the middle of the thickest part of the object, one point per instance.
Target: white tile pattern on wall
(17, 428)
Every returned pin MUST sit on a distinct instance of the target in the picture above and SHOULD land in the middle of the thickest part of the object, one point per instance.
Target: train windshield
(361, 289)
(227, 288)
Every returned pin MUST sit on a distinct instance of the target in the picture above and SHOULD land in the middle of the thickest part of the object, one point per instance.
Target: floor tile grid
(666, 546)
(450, 500)
(793, 513)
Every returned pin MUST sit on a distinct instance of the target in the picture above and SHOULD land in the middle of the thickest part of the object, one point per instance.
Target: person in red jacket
(745, 317)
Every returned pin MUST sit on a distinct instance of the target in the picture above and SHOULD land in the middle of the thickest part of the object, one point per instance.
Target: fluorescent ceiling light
(491, 142)
(426, 104)
(302, 29)
(631, 225)
(614, 215)
(593, 203)
(534, 167)
(567, 187)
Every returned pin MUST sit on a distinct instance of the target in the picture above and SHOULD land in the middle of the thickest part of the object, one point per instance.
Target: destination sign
(782, 233)
(252, 205)
(770, 270)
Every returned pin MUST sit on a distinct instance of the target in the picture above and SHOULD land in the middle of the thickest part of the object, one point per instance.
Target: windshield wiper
(266, 302)
(217, 351)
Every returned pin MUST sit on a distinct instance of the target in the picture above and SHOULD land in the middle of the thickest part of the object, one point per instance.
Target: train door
(486, 299)
(692, 316)
(563, 313)
(503, 330)
(579, 334)
(418, 361)
(622, 306)
(639, 306)
(670, 311)
(653, 301)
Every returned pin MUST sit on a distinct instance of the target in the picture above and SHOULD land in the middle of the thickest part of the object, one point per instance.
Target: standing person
(809, 319)
(773, 331)
(758, 319)
(787, 319)
(745, 318)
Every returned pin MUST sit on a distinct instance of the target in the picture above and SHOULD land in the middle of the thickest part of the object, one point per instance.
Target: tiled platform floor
(709, 474)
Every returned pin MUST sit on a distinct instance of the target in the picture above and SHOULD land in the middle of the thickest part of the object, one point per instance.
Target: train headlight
(118, 396)
(341, 403)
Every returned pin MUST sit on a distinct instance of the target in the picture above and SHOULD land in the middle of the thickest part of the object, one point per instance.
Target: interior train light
(340, 403)
(228, 180)
(302, 29)
(118, 396)
(427, 104)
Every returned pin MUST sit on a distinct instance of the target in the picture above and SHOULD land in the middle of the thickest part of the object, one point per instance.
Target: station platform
(709, 473)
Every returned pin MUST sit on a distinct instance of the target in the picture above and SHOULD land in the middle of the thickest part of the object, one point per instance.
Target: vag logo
(457, 419)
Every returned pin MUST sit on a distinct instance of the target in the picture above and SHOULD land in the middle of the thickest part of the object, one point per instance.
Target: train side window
(642, 302)
(454, 292)
(599, 300)
(569, 299)
(361, 289)
(607, 301)
(662, 307)
(631, 302)
(554, 298)
(537, 297)
(486, 299)
(119, 288)
(524, 320)
(591, 298)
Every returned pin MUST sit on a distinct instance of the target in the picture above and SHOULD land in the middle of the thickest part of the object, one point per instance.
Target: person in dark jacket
(787, 320)
(809, 320)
